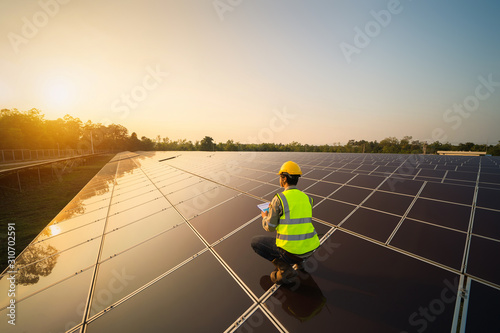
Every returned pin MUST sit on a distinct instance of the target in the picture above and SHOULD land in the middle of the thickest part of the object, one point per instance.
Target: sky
(255, 71)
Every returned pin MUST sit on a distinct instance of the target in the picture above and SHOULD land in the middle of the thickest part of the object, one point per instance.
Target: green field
(32, 209)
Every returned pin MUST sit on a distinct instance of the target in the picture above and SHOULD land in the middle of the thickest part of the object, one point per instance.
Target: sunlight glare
(60, 92)
(55, 230)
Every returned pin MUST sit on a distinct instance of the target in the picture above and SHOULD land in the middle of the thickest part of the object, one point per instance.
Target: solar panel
(488, 198)
(263, 189)
(124, 272)
(339, 177)
(159, 237)
(373, 224)
(481, 248)
(350, 194)
(489, 178)
(366, 181)
(441, 213)
(460, 175)
(486, 223)
(332, 211)
(221, 220)
(429, 243)
(354, 288)
(171, 303)
(323, 189)
(317, 174)
(447, 192)
(401, 185)
(483, 305)
(388, 202)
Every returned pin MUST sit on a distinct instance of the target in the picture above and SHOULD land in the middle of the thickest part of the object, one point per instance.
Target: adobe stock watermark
(428, 314)
(372, 29)
(11, 262)
(454, 116)
(223, 6)
(139, 93)
(31, 26)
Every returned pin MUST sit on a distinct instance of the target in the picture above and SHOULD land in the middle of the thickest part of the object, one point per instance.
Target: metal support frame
(464, 310)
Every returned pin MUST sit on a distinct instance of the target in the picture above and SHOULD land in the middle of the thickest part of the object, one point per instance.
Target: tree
(207, 144)
(405, 144)
(495, 150)
(147, 143)
(390, 145)
(133, 142)
(27, 127)
(468, 146)
(230, 146)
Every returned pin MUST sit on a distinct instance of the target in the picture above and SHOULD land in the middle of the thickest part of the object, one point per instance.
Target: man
(290, 215)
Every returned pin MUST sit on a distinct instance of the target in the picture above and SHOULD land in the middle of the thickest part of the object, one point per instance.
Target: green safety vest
(295, 232)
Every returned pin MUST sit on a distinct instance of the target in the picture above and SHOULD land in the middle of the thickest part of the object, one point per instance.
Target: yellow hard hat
(290, 168)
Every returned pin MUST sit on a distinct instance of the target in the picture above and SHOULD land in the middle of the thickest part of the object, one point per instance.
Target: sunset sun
(60, 92)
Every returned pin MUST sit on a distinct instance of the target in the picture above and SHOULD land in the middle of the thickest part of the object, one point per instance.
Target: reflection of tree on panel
(99, 185)
(38, 266)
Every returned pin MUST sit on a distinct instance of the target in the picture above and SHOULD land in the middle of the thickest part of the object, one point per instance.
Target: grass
(32, 209)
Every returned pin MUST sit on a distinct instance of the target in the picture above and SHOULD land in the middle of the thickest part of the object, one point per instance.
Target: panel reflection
(55, 309)
(200, 296)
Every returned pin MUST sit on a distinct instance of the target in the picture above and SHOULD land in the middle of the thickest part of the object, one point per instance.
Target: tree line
(30, 130)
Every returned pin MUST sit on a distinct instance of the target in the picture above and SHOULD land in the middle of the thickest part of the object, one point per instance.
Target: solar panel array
(161, 241)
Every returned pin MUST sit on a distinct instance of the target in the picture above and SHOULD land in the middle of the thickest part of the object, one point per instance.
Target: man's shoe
(299, 266)
(284, 273)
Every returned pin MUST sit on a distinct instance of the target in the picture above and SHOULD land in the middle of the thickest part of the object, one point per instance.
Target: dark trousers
(265, 247)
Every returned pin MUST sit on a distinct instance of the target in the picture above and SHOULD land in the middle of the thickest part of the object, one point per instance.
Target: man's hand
(264, 214)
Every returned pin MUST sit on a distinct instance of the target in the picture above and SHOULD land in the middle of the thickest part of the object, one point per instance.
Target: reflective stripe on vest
(295, 232)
